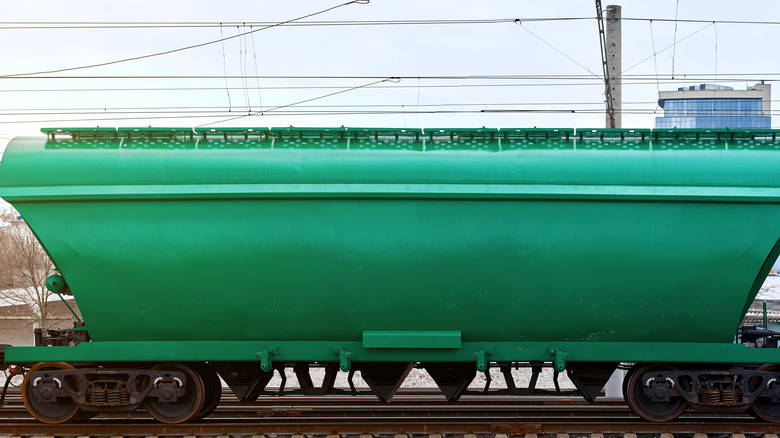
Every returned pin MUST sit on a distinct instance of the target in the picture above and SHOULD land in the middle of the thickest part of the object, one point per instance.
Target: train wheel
(55, 410)
(763, 408)
(642, 405)
(626, 378)
(213, 388)
(185, 408)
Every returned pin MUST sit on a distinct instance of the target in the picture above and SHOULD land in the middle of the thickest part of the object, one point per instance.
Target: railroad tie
(431, 435)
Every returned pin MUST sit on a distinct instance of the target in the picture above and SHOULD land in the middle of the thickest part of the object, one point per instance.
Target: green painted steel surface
(328, 351)
(403, 339)
(322, 234)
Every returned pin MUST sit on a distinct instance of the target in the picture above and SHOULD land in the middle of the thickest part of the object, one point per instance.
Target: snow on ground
(419, 378)
(770, 291)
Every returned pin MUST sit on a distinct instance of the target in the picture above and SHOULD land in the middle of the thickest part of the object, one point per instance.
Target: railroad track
(411, 412)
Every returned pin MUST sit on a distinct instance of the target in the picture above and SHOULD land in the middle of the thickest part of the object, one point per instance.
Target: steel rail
(379, 425)
(413, 411)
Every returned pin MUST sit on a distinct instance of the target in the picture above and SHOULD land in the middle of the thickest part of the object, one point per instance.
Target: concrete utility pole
(614, 66)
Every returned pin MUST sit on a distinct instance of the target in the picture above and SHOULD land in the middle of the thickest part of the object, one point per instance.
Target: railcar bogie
(661, 392)
(57, 392)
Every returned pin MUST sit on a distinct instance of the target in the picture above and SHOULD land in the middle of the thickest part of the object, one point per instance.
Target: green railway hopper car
(238, 252)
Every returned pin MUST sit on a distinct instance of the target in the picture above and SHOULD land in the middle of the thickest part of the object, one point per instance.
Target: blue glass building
(709, 106)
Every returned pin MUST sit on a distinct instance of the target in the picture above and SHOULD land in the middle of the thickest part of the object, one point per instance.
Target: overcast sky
(539, 55)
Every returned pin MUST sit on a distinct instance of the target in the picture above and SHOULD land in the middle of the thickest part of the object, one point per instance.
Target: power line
(303, 87)
(193, 46)
(520, 23)
(32, 25)
(376, 87)
(324, 87)
(684, 20)
(734, 77)
(234, 111)
(299, 21)
(396, 109)
(14, 25)
(596, 109)
(294, 113)
(262, 112)
(673, 46)
(371, 105)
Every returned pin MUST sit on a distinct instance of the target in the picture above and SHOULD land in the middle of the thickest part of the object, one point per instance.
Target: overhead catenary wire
(33, 25)
(300, 21)
(250, 113)
(224, 65)
(312, 87)
(328, 87)
(334, 83)
(674, 44)
(368, 105)
(655, 58)
(555, 80)
(520, 23)
(285, 87)
(257, 72)
(242, 52)
(561, 111)
(181, 49)
(11, 25)
(6, 112)
(734, 77)
(565, 106)
(715, 26)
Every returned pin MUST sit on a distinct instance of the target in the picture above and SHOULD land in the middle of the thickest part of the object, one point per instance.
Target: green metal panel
(329, 351)
(319, 235)
(400, 339)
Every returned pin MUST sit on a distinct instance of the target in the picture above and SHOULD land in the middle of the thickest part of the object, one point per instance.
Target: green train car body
(403, 245)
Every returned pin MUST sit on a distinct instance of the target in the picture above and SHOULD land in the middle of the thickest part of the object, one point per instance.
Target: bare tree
(24, 266)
